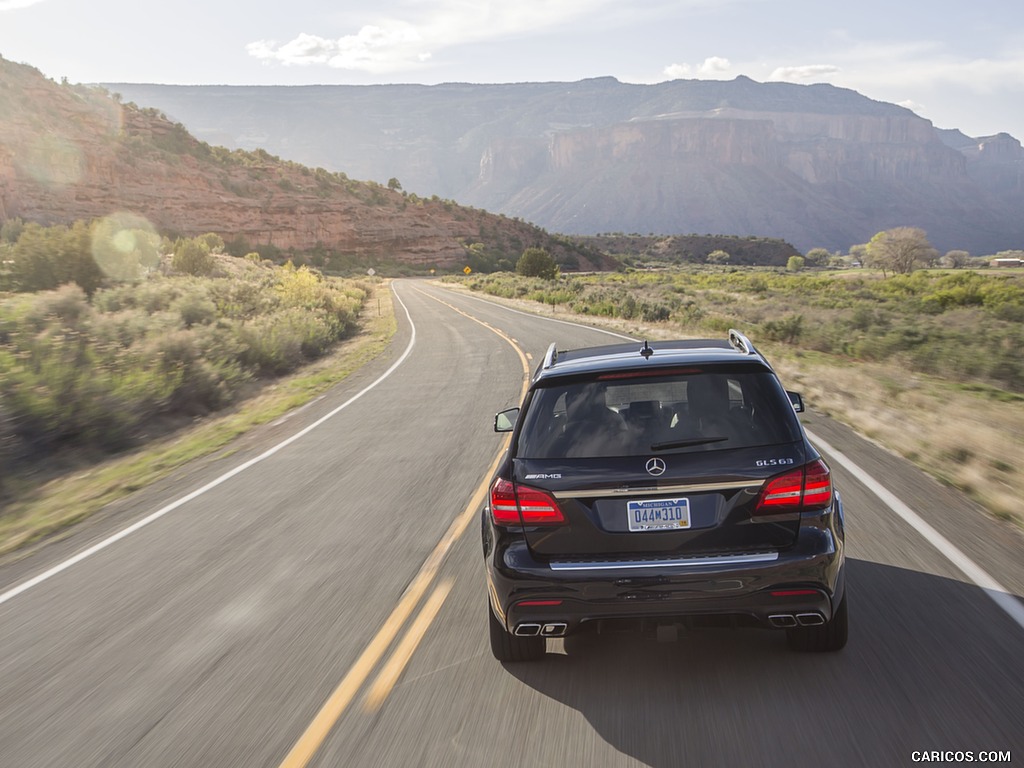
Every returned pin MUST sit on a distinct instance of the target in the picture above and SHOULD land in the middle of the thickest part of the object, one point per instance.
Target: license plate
(658, 514)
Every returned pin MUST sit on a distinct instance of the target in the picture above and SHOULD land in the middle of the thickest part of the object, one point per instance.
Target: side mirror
(797, 400)
(506, 420)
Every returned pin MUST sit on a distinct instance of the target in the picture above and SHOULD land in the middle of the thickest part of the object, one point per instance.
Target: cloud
(711, 66)
(373, 48)
(805, 72)
(677, 71)
(13, 5)
(389, 45)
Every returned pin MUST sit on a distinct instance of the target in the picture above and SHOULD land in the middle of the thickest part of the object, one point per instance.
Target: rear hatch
(666, 464)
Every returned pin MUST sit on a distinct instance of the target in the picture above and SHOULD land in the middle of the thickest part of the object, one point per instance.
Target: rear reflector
(794, 592)
(522, 505)
(535, 603)
(807, 488)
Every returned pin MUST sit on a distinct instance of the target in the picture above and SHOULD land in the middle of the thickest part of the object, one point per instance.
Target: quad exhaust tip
(810, 619)
(554, 629)
(787, 620)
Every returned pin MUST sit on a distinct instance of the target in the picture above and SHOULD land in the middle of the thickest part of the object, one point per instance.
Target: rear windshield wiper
(686, 443)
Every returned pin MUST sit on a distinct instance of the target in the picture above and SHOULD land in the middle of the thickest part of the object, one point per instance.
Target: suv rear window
(675, 412)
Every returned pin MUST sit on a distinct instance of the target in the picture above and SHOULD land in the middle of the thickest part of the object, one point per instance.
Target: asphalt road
(324, 605)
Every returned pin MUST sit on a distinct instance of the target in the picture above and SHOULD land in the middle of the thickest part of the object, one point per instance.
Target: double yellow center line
(316, 733)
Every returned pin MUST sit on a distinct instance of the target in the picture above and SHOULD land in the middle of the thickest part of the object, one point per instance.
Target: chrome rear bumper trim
(649, 490)
(681, 562)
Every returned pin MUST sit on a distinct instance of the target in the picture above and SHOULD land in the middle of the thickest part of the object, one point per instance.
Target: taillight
(807, 488)
(817, 485)
(536, 506)
(782, 493)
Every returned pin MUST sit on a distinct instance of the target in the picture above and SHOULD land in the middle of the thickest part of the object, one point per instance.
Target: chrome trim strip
(648, 490)
(609, 565)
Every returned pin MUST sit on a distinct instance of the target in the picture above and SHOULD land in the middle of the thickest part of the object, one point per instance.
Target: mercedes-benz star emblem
(656, 467)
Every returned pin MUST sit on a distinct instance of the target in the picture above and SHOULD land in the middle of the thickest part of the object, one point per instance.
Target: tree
(537, 262)
(795, 263)
(77, 261)
(901, 250)
(956, 259)
(859, 254)
(46, 257)
(34, 259)
(817, 257)
(11, 230)
(718, 257)
(394, 184)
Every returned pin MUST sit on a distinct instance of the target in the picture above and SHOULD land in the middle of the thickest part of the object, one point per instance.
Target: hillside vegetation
(928, 364)
(961, 325)
(73, 152)
(638, 249)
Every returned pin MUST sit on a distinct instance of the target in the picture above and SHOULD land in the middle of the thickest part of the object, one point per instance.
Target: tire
(507, 647)
(826, 638)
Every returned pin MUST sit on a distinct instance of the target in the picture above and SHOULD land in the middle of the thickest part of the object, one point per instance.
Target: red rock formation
(70, 152)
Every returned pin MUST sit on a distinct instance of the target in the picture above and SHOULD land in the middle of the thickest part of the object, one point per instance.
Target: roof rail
(551, 357)
(741, 343)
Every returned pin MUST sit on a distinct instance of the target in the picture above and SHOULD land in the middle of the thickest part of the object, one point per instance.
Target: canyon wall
(816, 165)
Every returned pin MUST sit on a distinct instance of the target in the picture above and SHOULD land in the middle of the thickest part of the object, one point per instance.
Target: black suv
(663, 484)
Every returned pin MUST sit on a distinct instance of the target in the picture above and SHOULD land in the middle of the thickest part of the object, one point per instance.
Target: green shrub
(278, 343)
(46, 257)
(195, 309)
(537, 262)
(192, 257)
(654, 312)
(97, 375)
(787, 329)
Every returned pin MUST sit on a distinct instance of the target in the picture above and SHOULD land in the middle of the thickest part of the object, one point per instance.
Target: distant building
(1007, 262)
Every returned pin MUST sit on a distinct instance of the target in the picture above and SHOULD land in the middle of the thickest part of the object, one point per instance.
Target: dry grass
(962, 438)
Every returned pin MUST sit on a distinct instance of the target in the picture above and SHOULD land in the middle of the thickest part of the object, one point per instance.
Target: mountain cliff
(74, 152)
(816, 165)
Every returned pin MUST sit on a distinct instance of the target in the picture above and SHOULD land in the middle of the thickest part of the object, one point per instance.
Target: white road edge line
(45, 575)
(999, 594)
(537, 315)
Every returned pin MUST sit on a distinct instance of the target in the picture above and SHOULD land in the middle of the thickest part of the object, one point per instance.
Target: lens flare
(125, 246)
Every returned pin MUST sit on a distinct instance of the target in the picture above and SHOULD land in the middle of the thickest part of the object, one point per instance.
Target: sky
(959, 64)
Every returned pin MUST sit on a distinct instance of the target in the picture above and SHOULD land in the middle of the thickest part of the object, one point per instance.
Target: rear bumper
(797, 586)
